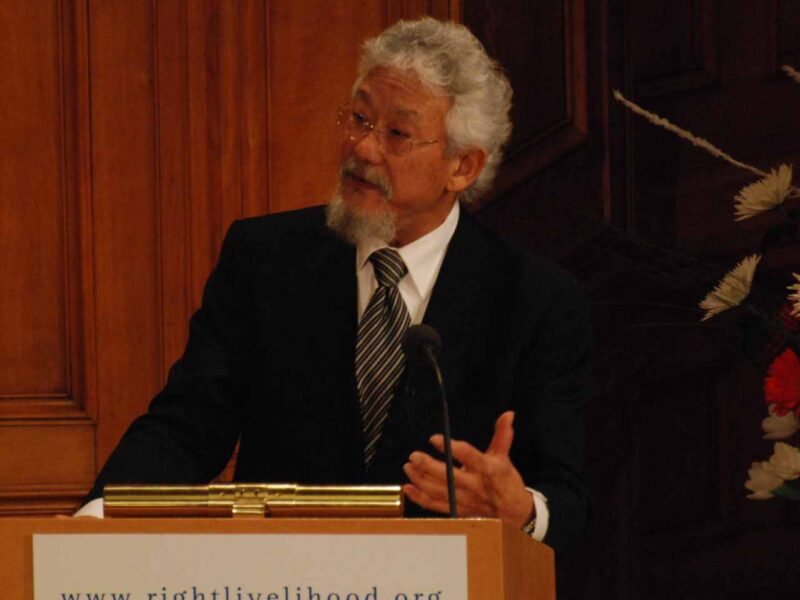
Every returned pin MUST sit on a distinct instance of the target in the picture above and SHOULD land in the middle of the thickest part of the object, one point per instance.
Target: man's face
(411, 188)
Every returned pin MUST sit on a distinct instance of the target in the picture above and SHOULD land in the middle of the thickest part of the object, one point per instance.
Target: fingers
(428, 478)
(470, 456)
(419, 497)
(503, 434)
(463, 452)
(487, 484)
(423, 468)
(467, 506)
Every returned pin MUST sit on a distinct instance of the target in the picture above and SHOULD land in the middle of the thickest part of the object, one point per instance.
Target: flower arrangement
(780, 474)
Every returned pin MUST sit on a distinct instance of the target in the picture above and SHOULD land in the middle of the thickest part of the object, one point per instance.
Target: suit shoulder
(539, 270)
(279, 235)
(526, 267)
(278, 227)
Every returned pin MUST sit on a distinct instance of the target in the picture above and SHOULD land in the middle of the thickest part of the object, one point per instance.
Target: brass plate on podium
(253, 500)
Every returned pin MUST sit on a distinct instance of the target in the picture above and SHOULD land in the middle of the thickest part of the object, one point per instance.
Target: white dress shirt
(423, 258)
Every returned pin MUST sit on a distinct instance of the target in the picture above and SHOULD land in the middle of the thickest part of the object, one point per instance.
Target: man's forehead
(399, 95)
(397, 107)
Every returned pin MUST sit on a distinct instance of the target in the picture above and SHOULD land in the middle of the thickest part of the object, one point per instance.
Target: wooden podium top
(502, 563)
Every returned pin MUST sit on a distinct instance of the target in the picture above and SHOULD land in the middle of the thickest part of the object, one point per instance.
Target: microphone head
(417, 338)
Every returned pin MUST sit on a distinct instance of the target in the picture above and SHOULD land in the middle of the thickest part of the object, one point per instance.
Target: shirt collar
(423, 257)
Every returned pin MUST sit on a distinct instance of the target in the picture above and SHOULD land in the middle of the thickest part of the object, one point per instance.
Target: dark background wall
(645, 220)
(132, 133)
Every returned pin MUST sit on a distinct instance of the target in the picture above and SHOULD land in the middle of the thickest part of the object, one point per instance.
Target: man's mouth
(362, 179)
(359, 181)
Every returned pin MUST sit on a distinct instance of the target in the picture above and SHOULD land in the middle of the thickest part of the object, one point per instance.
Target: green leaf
(787, 490)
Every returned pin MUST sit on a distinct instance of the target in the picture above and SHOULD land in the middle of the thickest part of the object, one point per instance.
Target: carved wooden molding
(703, 69)
(41, 408)
(533, 154)
(41, 499)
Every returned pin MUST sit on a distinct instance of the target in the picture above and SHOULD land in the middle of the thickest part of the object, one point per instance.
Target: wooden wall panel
(540, 53)
(46, 294)
(676, 45)
(255, 72)
(141, 130)
(33, 261)
(542, 46)
(228, 138)
(554, 162)
(205, 230)
(744, 105)
(45, 466)
(667, 411)
(674, 423)
(412, 9)
(125, 180)
(788, 40)
(175, 203)
(212, 142)
(311, 75)
(67, 456)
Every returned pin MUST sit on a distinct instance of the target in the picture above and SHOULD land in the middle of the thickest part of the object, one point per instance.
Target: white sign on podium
(249, 567)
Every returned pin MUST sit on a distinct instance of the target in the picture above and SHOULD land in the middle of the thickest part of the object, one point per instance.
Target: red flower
(782, 384)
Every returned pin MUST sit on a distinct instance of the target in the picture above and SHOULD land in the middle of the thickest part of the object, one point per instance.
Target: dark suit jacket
(270, 359)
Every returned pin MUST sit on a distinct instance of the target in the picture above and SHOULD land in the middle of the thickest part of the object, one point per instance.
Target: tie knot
(389, 266)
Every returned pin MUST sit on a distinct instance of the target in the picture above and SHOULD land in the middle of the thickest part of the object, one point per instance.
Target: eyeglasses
(392, 140)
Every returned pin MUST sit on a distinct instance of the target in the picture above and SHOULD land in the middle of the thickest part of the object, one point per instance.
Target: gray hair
(448, 59)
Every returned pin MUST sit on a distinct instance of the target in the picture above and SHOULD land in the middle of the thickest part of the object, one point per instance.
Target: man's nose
(367, 147)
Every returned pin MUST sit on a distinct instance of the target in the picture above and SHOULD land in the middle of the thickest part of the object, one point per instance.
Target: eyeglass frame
(345, 119)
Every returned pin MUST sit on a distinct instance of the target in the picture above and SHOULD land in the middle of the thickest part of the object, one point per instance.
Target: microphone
(422, 344)
(416, 342)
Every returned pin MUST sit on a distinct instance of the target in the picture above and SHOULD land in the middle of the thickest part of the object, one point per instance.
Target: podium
(501, 562)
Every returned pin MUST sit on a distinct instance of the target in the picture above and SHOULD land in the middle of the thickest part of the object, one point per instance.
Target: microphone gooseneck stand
(422, 341)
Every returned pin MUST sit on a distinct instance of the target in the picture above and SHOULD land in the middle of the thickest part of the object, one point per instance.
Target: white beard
(355, 226)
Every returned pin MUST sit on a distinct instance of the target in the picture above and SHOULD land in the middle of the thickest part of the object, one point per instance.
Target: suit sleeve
(552, 385)
(191, 426)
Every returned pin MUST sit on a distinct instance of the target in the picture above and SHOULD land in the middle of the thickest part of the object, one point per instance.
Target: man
(295, 350)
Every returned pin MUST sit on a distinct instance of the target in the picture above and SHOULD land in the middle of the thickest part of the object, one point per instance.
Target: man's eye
(398, 134)
(360, 119)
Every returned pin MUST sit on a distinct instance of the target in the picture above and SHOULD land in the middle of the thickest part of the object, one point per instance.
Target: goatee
(348, 221)
(354, 226)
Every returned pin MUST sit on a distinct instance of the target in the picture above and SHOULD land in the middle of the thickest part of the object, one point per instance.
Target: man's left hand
(487, 483)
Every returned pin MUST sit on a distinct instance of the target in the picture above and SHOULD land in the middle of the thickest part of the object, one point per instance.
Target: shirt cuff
(94, 508)
(542, 519)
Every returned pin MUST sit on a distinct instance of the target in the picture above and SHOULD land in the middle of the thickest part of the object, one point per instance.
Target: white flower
(732, 289)
(785, 462)
(779, 428)
(795, 298)
(791, 73)
(763, 481)
(765, 194)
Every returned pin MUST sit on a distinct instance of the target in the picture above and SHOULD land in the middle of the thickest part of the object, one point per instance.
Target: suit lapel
(465, 288)
(333, 264)
(333, 332)
(464, 293)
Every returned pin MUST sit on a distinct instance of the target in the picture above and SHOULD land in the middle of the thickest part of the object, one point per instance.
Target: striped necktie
(379, 353)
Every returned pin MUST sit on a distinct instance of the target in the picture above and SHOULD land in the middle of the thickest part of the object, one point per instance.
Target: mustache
(352, 167)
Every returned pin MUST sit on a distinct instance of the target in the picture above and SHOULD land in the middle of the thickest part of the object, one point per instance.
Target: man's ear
(469, 165)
